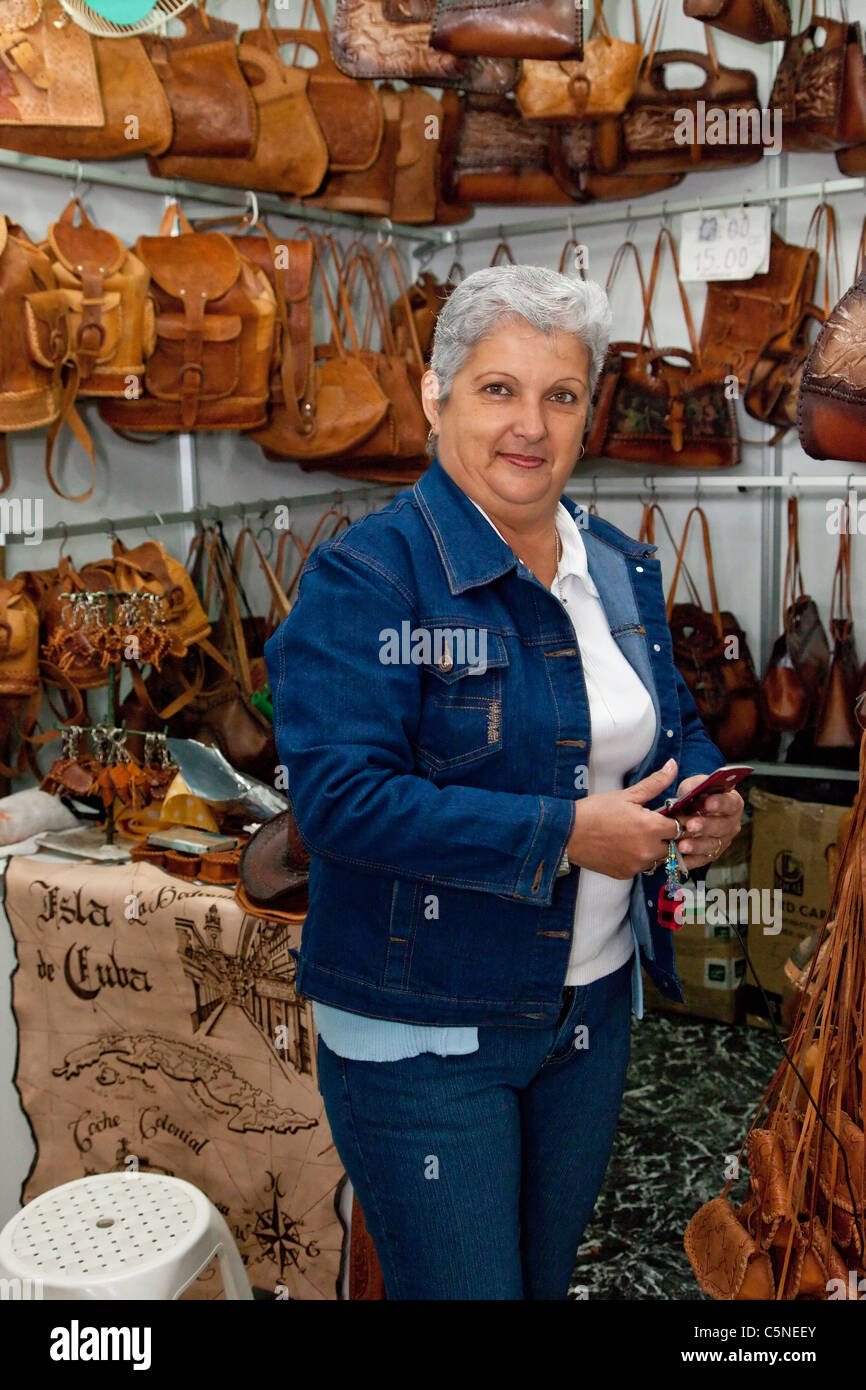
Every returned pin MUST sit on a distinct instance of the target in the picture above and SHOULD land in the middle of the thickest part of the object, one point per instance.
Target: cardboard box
(790, 844)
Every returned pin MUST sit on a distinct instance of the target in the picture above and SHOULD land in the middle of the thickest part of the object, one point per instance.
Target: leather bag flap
(77, 247)
(192, 264)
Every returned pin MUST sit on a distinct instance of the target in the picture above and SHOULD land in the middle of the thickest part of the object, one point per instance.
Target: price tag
(725, 244)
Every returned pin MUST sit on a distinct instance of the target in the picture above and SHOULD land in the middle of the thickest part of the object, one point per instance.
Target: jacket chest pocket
(462, 716)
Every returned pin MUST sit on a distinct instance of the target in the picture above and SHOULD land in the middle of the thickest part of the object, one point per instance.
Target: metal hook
(159, 519)
(698, 491)
(65, 537)
(795, 492)
(385, 224)
(665, 214)
(252, 206)
(109, 527)
(570, 220)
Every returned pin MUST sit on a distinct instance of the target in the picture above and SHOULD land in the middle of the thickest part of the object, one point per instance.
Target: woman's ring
(718, 851)
(680, 831)
(652, 868)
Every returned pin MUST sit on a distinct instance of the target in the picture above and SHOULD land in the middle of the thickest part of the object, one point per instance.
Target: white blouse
(623, 730)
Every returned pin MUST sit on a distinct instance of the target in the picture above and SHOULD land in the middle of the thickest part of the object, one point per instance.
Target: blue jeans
(478, 1173)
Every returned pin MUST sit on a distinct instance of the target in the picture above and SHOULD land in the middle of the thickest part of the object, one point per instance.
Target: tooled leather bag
(344, 404)
(712, 655)
(831, 404)
(214, 316)
(600, 84)
(820, 87)
(646, 138)
(137, 114)
(212, 107)
(740, 316)
(30, 392)
(490, 155)
(95, 326)
(390, 38)
(800, 657)
(290, 154)
(759, 21)
(273, 872)
(649, 408)
(48, 70)
(509, 28)
(571, 152)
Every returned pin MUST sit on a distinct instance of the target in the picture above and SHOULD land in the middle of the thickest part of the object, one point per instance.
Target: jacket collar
(470, 550)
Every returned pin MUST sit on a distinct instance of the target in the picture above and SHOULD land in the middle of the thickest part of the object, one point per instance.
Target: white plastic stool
(120, 1235)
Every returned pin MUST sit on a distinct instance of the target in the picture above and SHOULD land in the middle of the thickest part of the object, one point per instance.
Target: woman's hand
(708, 834)
(615, 834)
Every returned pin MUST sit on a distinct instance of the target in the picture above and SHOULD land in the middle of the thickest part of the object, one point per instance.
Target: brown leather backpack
(97, 324)
(30, 391)
(214, 313)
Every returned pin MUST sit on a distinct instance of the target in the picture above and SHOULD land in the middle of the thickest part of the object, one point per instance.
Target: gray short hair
(544, 298)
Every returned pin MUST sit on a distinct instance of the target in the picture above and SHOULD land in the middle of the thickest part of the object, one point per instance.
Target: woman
(476, 702)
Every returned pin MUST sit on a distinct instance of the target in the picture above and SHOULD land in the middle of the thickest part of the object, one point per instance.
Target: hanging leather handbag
(345, 402)
(396, 448)
(48, 72)
(214, 318)
(489, 155)
(798, 662)
(19, 640)
(820, 87)
(385, 38)
(509, 28)
(369, 191)
(571, 153)
(740, 316)
(349, 112)
(712, 655)
(650, 408)
(212, 108)
(759, 21)
(31, 392)
(290, 154)
(831, 405)
(600, 85)
(423, 301)
(836, 725)
(665, 129)
(137, 116)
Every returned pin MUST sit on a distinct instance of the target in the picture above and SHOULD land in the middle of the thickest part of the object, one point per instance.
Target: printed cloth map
(159, 1031)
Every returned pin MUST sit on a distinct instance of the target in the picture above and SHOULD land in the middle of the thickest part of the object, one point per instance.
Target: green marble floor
(691, 1094)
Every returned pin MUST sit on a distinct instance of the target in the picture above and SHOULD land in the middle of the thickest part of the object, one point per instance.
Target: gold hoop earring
(582, 452)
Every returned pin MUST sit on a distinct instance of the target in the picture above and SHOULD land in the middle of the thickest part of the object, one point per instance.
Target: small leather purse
(800, 657)
(509, 28)
(601, 84)
(836, 725)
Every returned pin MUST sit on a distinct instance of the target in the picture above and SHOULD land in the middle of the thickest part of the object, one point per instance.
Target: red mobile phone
(724, 779)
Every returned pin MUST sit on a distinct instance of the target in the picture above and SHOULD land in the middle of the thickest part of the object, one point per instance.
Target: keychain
(672, 899)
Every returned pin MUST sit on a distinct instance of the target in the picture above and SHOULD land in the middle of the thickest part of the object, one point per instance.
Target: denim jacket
(430, 709)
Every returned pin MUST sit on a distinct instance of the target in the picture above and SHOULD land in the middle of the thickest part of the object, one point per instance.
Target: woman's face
(511, 429)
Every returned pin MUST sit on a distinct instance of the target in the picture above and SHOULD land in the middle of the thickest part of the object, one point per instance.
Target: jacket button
(639, 569)
(669, 732)
(656, 647)
(446, 661)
